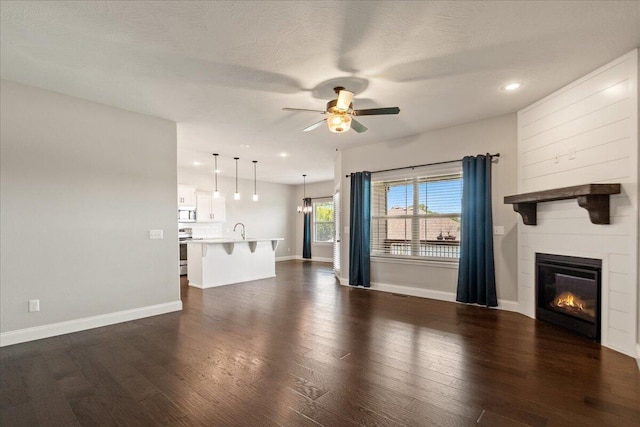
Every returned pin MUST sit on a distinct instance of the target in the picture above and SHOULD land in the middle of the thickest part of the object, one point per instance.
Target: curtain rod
(426, 164)
(321, 197)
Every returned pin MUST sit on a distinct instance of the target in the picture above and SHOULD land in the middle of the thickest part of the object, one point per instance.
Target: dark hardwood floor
(302, 350)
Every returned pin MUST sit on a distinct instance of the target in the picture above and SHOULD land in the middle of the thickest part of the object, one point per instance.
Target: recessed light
(216, 171)
(196, 163)
(512, 86)
(245, 146)
(283, 154)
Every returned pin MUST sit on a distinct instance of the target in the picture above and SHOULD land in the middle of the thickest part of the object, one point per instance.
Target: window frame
(322, 201)
(414, 219)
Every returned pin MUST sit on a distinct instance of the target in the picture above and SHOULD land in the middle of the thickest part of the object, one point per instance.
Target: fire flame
(569, 300)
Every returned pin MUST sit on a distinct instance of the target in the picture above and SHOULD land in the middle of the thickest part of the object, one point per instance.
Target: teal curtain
(359, 225)
(476, 271)
(306, 242)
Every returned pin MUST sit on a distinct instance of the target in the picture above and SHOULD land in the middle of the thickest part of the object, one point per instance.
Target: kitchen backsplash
(206, 231)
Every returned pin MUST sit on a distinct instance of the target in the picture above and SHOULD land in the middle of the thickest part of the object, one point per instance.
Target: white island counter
(219, 262)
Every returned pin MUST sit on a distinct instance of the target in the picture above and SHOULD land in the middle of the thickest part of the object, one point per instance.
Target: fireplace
(568, 293)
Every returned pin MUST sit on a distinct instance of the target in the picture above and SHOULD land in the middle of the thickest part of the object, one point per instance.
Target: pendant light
(216, 193)
(304, 193)
(255, 184)
(236, 195)
(304, 208)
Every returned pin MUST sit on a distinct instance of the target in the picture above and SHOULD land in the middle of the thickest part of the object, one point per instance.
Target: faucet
(241, 231)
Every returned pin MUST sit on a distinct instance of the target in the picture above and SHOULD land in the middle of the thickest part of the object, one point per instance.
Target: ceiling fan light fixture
(344, 100)
(338, 113)
(339, 123)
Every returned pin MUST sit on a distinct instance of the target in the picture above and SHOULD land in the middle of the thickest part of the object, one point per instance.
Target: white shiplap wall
(586, 133)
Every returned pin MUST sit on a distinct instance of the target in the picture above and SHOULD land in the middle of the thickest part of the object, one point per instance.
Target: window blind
(417, 214)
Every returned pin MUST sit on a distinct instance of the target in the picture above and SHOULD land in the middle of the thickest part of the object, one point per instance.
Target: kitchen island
(219, 262)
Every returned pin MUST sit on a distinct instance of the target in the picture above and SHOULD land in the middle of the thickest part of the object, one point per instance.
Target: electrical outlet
(156, 234)
(34, 305)
(498, 230)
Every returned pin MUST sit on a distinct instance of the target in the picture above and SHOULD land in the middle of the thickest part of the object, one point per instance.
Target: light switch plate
(498, 230)
(34, 305)
(156, 234)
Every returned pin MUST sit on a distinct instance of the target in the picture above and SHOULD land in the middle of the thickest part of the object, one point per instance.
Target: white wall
(270, 216)
(319, 251)
(81, 186)
(596, 118)
(429, 279)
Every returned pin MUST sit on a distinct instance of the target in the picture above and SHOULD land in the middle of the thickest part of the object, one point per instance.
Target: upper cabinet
(209, 209)
(186, 196)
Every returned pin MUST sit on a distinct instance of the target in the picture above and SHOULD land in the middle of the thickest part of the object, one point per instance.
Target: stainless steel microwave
(186, 215)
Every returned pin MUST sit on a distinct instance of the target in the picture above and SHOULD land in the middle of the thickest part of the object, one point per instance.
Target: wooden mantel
(593, 197)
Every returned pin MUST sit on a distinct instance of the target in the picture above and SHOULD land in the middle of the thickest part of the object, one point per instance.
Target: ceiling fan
(341, 112)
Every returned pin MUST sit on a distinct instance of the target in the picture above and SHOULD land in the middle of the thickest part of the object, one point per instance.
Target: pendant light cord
(215, 171)
(255, 183)
(236, 159)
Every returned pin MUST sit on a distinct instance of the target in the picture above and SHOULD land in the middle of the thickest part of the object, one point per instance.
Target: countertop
(232, 240)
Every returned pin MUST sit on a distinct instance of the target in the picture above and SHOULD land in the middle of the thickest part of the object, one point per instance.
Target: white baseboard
(61, 328)
(638, 356)
(508, 305)
(286, 258)
(251, 279)
(505, 305)
(414, 292)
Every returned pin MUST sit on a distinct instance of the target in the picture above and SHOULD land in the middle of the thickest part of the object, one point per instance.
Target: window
(323, 221)
(418, 215)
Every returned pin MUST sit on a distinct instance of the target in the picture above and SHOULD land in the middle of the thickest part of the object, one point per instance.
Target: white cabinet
(186, 196)
(209, 209)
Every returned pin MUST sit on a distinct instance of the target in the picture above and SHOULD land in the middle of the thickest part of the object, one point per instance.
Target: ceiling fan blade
(314, 126)
(344, 100)
(357, 126)
(376, 111)
(304, 109)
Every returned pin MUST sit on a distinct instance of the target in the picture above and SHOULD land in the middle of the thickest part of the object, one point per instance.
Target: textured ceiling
(224, 70)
